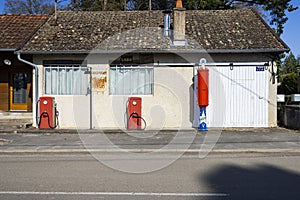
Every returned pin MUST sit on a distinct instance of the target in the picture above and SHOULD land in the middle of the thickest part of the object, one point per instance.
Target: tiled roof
(15, 29)
(222, 30)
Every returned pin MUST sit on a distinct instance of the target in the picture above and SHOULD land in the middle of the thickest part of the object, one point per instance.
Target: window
(131, 80)
(66, 79)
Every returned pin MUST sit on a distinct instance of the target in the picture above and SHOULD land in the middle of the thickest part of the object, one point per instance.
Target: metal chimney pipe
(167, 23)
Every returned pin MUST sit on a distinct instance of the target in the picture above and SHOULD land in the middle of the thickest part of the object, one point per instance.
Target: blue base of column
(202, 120)
(202, 127)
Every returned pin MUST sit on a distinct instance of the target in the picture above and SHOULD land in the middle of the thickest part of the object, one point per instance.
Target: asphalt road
(219, 176)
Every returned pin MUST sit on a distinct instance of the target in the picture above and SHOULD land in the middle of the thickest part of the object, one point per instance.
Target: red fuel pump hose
(135, 115)
(45, 113)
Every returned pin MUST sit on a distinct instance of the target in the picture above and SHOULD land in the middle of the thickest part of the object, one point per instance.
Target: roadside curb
(89, 131)
(189, 151)
(118, 131)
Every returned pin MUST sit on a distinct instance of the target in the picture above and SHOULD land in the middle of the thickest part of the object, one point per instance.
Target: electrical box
(47, 112)
(134, 113)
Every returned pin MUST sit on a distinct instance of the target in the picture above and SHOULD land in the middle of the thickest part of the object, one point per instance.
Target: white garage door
(238, 97)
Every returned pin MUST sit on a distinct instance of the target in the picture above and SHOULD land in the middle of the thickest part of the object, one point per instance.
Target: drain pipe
(36, 84)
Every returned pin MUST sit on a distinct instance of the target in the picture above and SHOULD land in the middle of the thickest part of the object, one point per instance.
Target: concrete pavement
(217, 176)
(60, 164)
(275, 140)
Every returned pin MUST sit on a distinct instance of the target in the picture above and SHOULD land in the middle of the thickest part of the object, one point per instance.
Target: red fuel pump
(202, 75)
(48, 113)
(134, 113)
(203, 96)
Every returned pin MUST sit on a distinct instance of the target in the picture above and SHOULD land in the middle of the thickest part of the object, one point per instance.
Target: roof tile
(142, 30)
(15, 29)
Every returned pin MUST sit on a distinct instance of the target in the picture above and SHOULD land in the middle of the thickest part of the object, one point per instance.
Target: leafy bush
(289, 84)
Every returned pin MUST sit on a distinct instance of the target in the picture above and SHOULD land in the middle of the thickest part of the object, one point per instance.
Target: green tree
(288, 73)
(289, 84)
(206, 4)
(298, 65)
(289, 64)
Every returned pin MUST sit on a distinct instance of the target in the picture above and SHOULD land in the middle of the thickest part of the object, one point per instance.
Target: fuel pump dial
(134, 103)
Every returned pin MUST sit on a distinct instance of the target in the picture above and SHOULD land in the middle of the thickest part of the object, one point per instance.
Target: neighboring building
(15, 76)
(132, 54)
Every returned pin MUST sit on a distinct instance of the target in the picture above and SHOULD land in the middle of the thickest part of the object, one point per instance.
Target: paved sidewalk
(227, 141)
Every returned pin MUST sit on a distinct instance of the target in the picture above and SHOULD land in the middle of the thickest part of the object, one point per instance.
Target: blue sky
(291, 35)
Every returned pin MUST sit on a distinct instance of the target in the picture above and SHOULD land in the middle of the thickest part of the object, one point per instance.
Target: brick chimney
(179, 25)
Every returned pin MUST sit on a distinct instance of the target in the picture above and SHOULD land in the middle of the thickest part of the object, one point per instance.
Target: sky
(291, 34)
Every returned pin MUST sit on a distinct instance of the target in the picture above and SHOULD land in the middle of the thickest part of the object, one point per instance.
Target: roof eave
(217, 51)
(279, 51)
(270, 29)
(7, 50)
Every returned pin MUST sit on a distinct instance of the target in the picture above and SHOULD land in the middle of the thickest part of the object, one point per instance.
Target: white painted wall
(171, 105)
(238, 97)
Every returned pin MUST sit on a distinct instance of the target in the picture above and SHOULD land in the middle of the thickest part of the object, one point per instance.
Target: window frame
(132, 68)
(66, 67)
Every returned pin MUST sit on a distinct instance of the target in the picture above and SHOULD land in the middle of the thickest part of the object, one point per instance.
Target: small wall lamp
(7, 62)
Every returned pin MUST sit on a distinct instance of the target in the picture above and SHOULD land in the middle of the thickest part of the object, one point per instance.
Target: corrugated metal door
(238, 97)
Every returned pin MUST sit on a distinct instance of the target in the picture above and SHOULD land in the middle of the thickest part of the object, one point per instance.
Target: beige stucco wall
(165, 109)
(272, 104)
(169, 106)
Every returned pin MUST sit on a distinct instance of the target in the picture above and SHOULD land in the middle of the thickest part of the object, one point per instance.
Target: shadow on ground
(262, 182)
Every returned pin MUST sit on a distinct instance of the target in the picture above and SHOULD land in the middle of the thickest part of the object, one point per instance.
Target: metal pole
(91, 100)
(36, 84)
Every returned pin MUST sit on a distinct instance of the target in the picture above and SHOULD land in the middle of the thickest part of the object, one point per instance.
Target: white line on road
(115, 193)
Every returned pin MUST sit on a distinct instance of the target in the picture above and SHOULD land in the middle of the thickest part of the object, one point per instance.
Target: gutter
(158, 51)
(7, 50)
(36, 83)
(218, 64)
(249, 51)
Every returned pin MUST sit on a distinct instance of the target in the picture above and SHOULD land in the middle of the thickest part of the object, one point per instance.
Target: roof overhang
(1, 50)
(279, 51)
(213, 51)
